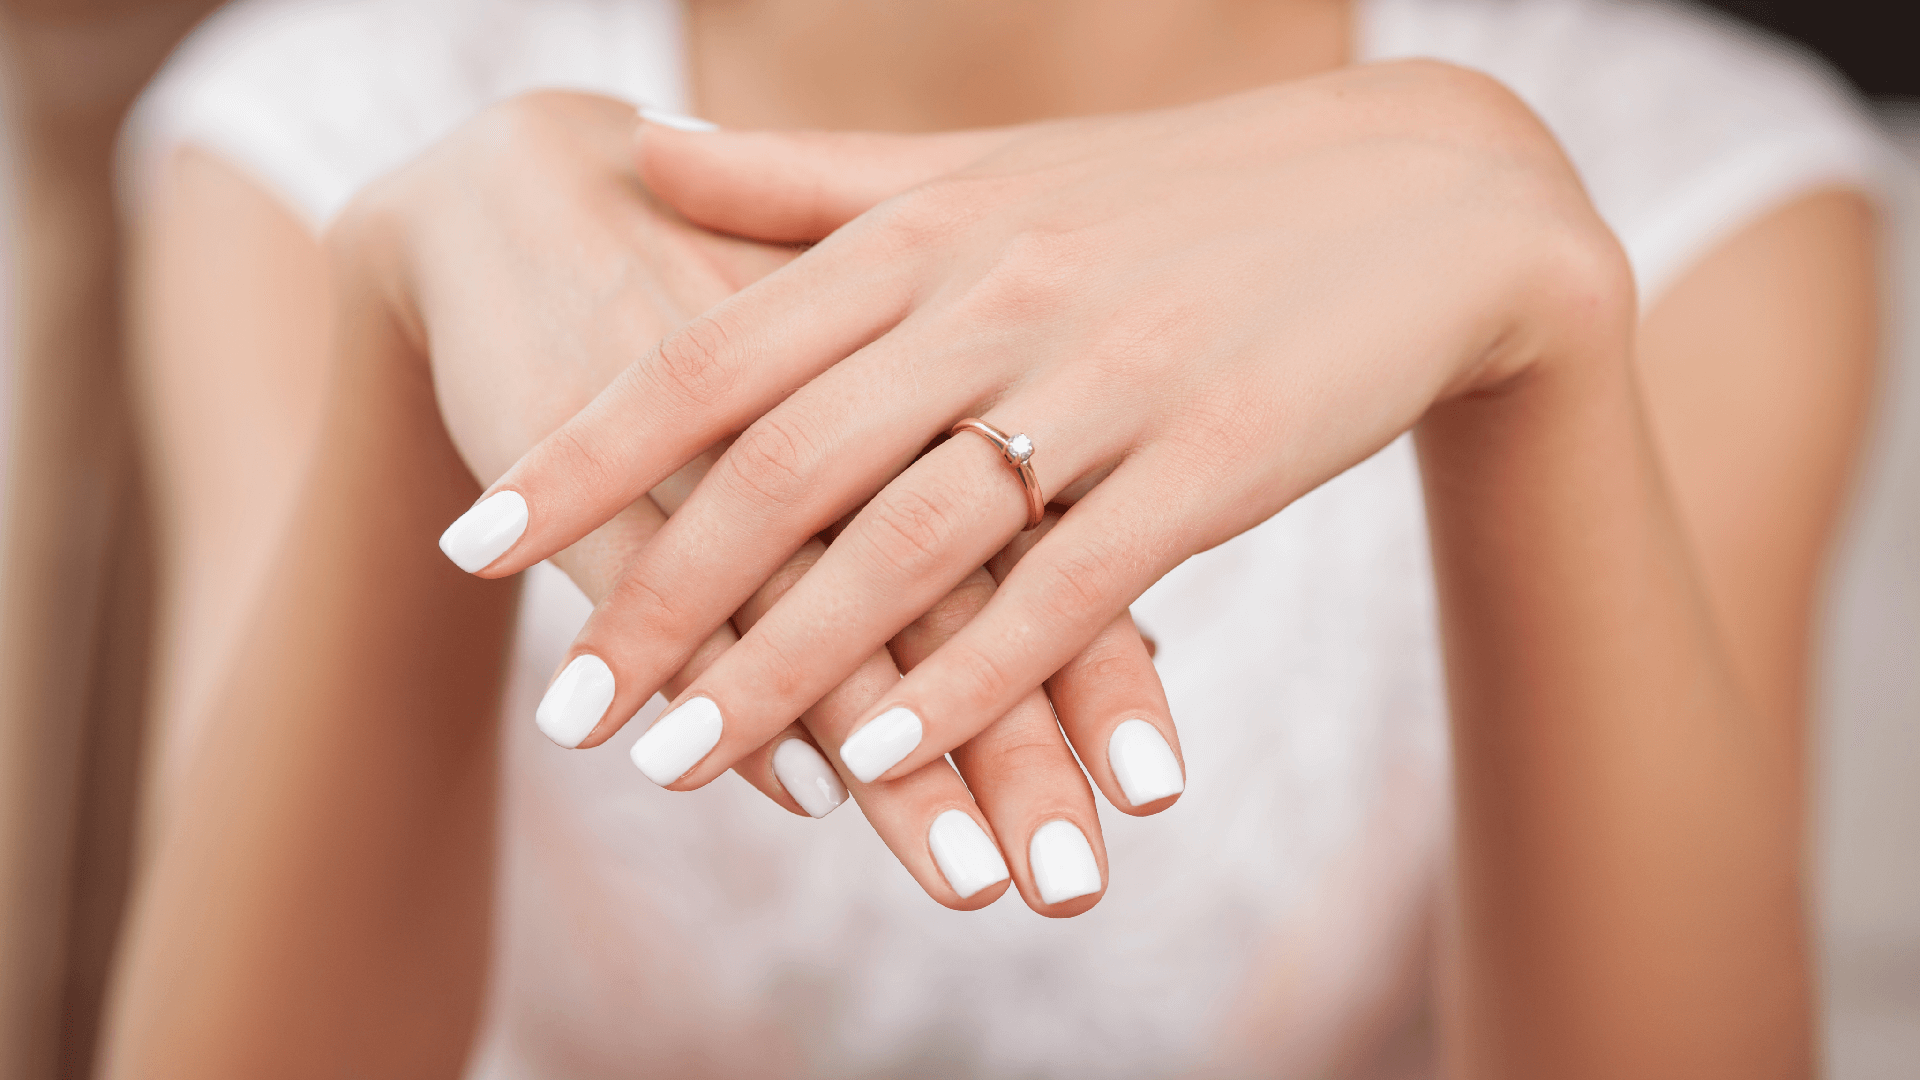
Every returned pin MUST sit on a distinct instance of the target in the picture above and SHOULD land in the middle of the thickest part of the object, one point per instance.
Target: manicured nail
(808, 778)
(576, 701)
(1143, 763)
(485, 532)
(881, 743)
(1063, 862)
(676, 121)
(964, 853)
(677, 741)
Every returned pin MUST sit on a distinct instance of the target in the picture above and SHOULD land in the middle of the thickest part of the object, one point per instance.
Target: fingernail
(881, 743)
(485, 532)
(576, 701)
(676, 121)
(1143, 763)
(677, 741)
(808, 778)
(1063, 862)
(964, 853)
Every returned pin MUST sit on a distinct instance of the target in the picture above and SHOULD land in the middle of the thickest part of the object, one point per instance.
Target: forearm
(319, 903)
(1627, 899)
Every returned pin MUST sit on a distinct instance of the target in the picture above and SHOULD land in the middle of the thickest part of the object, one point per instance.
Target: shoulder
(314, 98)
(1685, 125)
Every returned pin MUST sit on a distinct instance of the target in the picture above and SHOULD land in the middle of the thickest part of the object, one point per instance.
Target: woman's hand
(522, 261)
(1197, 315)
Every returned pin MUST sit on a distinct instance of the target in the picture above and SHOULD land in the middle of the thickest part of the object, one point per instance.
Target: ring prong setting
(1016, 451)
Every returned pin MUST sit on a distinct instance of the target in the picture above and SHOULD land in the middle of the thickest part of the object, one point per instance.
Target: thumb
(792, 186)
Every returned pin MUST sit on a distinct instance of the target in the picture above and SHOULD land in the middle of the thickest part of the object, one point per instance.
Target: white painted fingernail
(485, 532)
(964, 853)
(676, 121)
(1063, 862)
(576, 701)
(677, 741)
(1143, 763)
(881, 743)
(808, 778)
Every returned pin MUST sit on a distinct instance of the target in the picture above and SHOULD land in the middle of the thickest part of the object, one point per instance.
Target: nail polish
(808, 778)
(485, 532)
(1143, 763)
(676, 121)
(576, 701)
(881, 743)
(1062, 861)
(965, 854)
(677, 741)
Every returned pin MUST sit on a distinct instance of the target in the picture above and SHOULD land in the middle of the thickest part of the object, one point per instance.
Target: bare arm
(1627, 637)
(340, 801)
(230, 327)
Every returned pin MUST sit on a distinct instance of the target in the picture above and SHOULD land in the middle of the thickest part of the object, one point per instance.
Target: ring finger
(1026, 780)
(947, 514)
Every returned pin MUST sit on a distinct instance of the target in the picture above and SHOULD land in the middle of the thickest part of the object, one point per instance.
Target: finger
(790, 768)
(789, 476)
(1112, 707)
(1020, 773)
(1023, 776)
(1114, 712)
(701, 384)
(1071, 586)
(574, 713)
(1027, 782)
(928, 819)
(788, 186)
(913, 543)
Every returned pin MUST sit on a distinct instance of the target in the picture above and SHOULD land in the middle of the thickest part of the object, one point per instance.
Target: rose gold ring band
(1019, 453)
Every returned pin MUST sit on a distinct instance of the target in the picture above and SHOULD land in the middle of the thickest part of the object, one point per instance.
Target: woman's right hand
(524, 266)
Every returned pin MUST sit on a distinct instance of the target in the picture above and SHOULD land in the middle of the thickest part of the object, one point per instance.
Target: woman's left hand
(1197, 315)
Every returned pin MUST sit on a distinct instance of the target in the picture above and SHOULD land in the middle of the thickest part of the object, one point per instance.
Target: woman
(1624, 574)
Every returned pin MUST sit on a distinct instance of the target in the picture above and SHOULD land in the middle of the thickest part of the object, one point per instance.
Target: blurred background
(74, 554)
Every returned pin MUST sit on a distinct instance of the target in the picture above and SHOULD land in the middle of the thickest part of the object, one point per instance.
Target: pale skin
(573, 243)
(1626, 896)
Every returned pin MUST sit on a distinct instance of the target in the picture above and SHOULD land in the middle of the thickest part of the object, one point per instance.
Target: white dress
(1280, 910)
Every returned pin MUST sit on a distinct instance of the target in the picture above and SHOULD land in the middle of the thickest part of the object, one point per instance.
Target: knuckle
(927, 218)
(773, 459)
(787, 576)
(1108, 660)
(1130, 357)
(645, 612)
(911, 531)
(781, 668)
(978, 678)
(1026, 753)
(1112, 679)
(587, 465)
(1032, 276)
(954, 611)
(692, 364)
(1079, 581)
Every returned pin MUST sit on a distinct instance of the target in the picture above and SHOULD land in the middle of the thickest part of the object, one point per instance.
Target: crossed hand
(1191, 317)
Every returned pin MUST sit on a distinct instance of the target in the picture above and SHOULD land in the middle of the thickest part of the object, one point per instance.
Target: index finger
(706, 381)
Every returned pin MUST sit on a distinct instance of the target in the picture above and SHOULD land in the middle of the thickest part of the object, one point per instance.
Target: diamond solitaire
(1016, 450)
